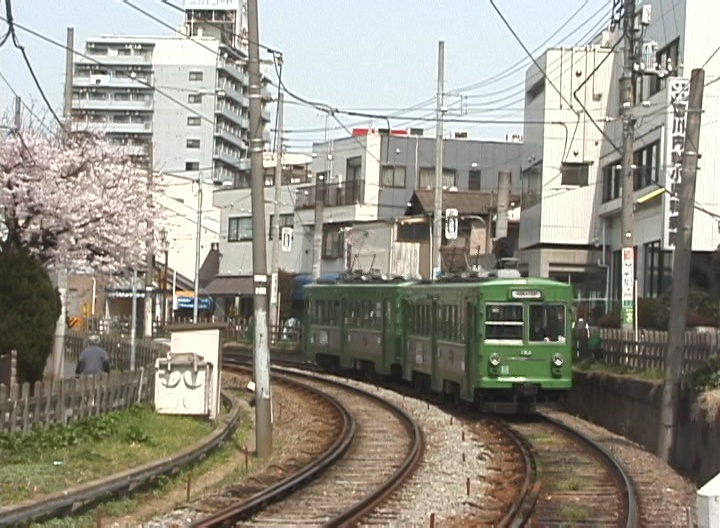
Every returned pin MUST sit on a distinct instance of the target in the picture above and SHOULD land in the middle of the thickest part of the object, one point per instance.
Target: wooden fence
(23, 408)
(647, 352)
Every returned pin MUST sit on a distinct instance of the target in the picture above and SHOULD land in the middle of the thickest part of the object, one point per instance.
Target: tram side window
(504, 322)
(375, 316)
(547, 323)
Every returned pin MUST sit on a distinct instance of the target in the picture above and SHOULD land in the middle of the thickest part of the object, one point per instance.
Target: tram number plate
(504, 369)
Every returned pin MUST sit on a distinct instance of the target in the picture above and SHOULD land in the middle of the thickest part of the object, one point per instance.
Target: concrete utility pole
(198, 248)
(627, 92)
(261, 354)
(503, 203)
(275, 264)
(320, 190)
(58, 363)
(149, 254)
(18, 114)
(674, 354)
(437, 205)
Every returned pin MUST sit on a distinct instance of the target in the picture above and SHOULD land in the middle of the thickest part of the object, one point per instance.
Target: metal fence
(118, 348)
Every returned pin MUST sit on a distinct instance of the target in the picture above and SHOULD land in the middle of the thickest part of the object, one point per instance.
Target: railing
(333, 194)
(620, 348)
(118, 348)
(115, 334)
(58, 402)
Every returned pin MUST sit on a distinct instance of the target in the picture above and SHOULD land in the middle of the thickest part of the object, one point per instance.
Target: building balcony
(116, 60)
(227, 157)
(232, 93)
(246, 101)
(231, 138)
(114, 128)
(120, 106)
(231, 115)
(333, 195)
(232, 71)
(112, 81)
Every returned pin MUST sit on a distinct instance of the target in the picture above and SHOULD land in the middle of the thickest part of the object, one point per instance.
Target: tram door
(470, 347)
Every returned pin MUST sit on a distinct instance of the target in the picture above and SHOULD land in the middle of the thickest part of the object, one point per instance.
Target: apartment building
(179, 104)
(572, 213)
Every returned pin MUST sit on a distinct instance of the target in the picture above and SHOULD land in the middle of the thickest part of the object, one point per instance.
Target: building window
(286, 220)
(474, 180)
(194, 98)
(427, 178)
(393, 176)
(647, 161)
(575, 174)
(353, 169)
(196, 76)
(333, 242)
(658, 269)
(192, 143)
(193, 121)
(240, 229)
(668, 58)
(612, 181)
(531, 179)
(192, 165)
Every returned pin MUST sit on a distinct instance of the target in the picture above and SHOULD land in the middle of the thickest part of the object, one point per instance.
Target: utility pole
(149, 253)
(261, 355)
(320, 190)
(674, 353)
(18, 114)
(503, 203)
(58, 364)
(437, 206)
(627, 92)
(275, 264)
(198, 247)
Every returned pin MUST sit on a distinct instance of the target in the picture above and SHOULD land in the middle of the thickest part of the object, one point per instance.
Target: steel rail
(632, 513)
(92, 492)
(235, 512)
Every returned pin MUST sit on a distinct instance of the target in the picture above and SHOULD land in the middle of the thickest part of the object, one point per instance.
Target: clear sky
(377, 56)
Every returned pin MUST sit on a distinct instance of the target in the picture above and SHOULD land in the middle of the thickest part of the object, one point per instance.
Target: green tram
(499, 340)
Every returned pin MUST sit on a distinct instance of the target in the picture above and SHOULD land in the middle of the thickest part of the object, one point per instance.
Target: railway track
(577, 482)
(372, 458)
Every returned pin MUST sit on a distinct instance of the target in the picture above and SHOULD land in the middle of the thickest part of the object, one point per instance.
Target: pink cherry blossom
(76, 202)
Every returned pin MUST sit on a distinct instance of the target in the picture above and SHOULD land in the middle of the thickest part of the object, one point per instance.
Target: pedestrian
(582, 331)
(93, 360)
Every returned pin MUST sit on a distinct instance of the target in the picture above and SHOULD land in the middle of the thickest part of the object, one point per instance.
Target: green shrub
(705, 377)
(30, 306)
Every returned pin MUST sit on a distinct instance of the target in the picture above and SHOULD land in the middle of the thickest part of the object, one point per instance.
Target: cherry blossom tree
(77, 201)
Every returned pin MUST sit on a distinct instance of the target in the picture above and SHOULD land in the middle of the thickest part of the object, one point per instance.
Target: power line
(16, 42)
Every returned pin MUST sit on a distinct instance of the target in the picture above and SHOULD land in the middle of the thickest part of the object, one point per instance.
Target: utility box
(708, 504)
(183, 384)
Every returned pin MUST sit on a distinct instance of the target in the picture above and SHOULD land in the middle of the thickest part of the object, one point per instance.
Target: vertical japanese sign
(628, 286)
(678, 93)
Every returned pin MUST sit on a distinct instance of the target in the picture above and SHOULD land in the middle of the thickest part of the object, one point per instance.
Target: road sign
(451, 224)
(286, 236)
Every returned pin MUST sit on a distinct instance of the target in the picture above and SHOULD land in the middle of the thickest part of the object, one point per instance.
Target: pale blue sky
(375, 55)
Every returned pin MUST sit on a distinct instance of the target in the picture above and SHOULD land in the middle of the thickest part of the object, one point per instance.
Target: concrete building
(180, 104)
(372, 176)
(234, 278)
(571, 183)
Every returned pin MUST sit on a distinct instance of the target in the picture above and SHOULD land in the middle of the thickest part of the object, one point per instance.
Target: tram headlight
(558, 360)
(495, 359)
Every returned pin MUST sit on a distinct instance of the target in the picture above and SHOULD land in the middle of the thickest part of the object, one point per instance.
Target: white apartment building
(571, 183)
(179, 103)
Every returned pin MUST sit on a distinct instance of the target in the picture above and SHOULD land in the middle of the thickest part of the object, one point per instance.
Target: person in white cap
(94, 359)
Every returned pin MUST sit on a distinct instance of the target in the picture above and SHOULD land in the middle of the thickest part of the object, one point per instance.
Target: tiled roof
(466, 202)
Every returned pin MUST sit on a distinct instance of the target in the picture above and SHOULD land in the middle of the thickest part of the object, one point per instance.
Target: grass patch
(573, 513)
(164, 487)
(589, 365)
(570, 484)
(53, 459)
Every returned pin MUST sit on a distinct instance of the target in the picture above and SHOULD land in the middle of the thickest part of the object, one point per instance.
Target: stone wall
(631, 408)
